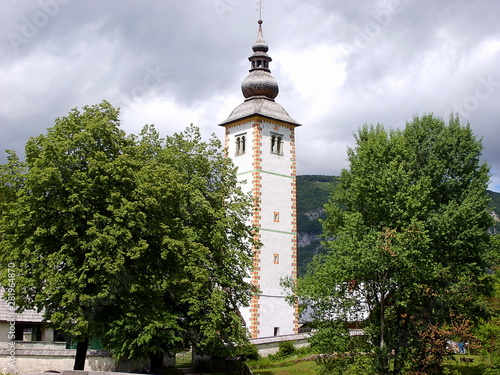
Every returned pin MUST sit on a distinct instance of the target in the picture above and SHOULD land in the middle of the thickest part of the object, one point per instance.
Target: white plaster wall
(244, 162)
(39, 363)
(4, 334)
(276, 197)
(271, 273)
(272, 162)
(268, 346)
(276, 237)
(275, 312)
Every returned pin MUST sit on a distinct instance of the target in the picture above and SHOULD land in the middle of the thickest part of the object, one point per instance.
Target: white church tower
(260, 138)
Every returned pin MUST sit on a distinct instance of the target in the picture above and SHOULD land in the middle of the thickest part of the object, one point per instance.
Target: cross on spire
(259, 4)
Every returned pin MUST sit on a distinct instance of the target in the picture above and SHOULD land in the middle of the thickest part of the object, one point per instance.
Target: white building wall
(243, 161)
(271, 179)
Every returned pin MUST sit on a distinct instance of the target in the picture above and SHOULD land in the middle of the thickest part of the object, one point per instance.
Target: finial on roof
(260, 44)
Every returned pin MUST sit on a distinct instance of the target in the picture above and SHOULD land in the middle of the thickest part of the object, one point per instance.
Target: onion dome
(260, 83)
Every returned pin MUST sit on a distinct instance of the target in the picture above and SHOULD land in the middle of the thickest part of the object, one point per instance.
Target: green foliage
(312, 194)
(489, 334)
(339, 352)
(138, 240)
(313, 191)
(286, 349)
(495, 200)
(407, 233)
(488, 331)
(59, 229)
(249, 352)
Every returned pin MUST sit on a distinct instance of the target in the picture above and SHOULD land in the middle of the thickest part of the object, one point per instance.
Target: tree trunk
(81, 354)
(383, 351)
(382, 323)
(155, 363)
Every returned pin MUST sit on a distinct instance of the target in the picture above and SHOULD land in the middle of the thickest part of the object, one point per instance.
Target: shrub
(250, 352)
(285, 349)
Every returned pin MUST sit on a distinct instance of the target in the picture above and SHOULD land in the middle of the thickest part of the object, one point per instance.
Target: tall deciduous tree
(192, 278)
(138, 241)
(406, 230)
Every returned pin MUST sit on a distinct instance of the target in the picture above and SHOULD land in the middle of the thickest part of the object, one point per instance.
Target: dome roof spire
(260, 88)
(260, 83)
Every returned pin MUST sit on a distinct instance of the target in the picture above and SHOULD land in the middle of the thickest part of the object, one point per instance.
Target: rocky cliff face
(305, 238)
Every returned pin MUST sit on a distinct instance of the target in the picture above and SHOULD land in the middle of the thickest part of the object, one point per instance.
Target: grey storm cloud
(339, 64)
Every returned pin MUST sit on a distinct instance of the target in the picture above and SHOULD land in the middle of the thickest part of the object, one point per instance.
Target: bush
(250, 352)
(285, 349)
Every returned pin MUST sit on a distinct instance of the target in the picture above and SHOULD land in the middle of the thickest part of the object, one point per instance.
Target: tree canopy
(140, 241)
(406, 230)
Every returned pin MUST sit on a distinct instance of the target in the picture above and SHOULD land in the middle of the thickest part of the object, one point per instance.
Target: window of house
(29, 332)
(240, 144)
(276, 259)
(276, 217)
(276, 331)
(277, 144)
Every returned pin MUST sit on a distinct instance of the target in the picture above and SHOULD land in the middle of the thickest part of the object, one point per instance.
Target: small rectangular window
(276, 259)
(276, 331)
(276, 217)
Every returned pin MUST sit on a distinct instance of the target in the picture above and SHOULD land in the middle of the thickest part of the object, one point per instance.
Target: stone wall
(270, 345)
(40, 360)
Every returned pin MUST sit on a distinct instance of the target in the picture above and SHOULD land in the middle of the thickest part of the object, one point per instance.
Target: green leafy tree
(60, 228)
(192, 278)
(406, 228)
(129, 239)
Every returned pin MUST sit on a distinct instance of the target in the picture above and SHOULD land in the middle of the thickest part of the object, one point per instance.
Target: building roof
(260, 106)
(7, 314)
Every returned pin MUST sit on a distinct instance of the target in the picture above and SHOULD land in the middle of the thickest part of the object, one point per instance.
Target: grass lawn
(476, 367)
(292, 367)
(289, 368)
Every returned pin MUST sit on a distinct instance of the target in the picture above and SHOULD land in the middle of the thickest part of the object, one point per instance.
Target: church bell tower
(260, 139)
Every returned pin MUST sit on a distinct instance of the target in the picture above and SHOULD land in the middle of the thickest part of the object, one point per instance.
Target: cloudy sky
(339, 64)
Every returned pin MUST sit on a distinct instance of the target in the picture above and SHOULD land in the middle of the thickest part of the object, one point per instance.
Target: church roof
(260, 88)
(260, 106)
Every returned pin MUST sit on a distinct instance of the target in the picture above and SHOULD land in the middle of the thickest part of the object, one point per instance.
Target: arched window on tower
(276, 144)
(240, 144)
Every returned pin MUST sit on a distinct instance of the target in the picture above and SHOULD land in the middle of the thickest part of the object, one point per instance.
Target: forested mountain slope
(312, 193)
